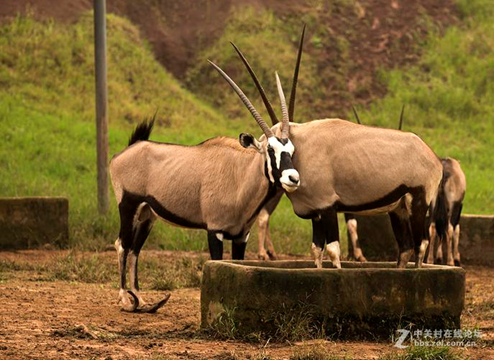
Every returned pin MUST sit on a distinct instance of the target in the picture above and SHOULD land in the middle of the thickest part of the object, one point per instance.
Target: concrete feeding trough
(361, 299)
(31, 222)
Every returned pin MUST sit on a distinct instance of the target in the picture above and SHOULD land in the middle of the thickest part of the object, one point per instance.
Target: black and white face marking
(279, 163)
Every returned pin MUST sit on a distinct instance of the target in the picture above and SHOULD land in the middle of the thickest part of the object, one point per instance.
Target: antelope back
(216, 185)
(455, 181)
(356, 166)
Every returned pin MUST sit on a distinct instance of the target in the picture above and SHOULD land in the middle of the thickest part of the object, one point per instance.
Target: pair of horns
(287, 114)
(401, 116)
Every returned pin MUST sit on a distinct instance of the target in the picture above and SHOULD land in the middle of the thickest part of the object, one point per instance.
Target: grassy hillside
(269, 45)
(47, 105)
(47, 113)
(449, 99)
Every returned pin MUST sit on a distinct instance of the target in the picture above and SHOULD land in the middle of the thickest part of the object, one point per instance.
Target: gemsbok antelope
(346, 167)
(265, 245)
(446, 224)
(219, 185)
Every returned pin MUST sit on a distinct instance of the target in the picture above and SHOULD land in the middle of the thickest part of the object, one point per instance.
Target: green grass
(450, 100)
(269, 41)
(47, 117)
(425, 353)
(155, 272)
(47, 106)
(269, 45)
(315, 352)
(290, 325)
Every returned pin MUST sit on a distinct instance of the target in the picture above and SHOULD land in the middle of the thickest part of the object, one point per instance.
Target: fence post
(101, 104)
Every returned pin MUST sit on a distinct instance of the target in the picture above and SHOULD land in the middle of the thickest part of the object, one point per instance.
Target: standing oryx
(449, 203)
(345, 167)
(219, 185)
(264, 236)
(447, 220)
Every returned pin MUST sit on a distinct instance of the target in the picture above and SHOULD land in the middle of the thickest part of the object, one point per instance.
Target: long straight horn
(264, 97)
(291, 107)
(356, 114)
(401, 117)
(285, 124)
(265, 128)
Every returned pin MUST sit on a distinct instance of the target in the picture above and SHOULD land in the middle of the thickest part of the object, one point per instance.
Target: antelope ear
(249, 141)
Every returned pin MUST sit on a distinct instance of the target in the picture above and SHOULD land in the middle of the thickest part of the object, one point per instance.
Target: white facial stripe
(270, 170)
(278, 148)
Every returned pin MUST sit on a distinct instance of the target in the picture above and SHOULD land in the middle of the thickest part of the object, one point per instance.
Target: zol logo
(399, 343)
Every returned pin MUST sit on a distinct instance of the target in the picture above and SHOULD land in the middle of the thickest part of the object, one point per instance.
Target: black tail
(142, 131)
(441, 210)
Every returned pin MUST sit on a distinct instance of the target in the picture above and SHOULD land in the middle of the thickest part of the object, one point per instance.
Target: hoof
(134, 304)
(148, 308)
(263, 257)
(438, 261)
(457, 263)
(272, 256)
(362, 259)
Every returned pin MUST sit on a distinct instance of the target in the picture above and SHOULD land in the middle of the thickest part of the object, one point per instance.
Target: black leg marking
(332, 234)
(127, 210)
(456, 213)
(419, 225)
(140, 235)
(324, 230)
(215, 246)
(403, 233)
(418, 221)
(318, 233)
(330, 220)
(238, 250)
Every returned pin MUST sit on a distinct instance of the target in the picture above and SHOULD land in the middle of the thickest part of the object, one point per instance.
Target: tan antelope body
(383, 165)
(345, 167)
(219, 185)
(163, 175)
(264, 237)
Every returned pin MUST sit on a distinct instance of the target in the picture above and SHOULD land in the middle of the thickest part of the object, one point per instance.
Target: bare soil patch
(55, 319)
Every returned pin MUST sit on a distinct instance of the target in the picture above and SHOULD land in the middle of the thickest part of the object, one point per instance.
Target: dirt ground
(55, 319)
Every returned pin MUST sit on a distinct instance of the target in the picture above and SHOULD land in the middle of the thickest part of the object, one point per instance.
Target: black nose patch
(286, 161)
(293, 180)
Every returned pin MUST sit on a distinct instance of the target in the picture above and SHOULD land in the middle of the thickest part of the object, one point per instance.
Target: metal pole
(101, 103)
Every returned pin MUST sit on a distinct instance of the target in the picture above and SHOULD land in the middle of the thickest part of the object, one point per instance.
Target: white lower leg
(352, 231)
(404, 258)
(122, 259)
(134, 284)
(263, 226)
(456, 241)
(432, 237)
(439, 251)
(422, 249)
(317, 253)
(449, 253)
(334, 253)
